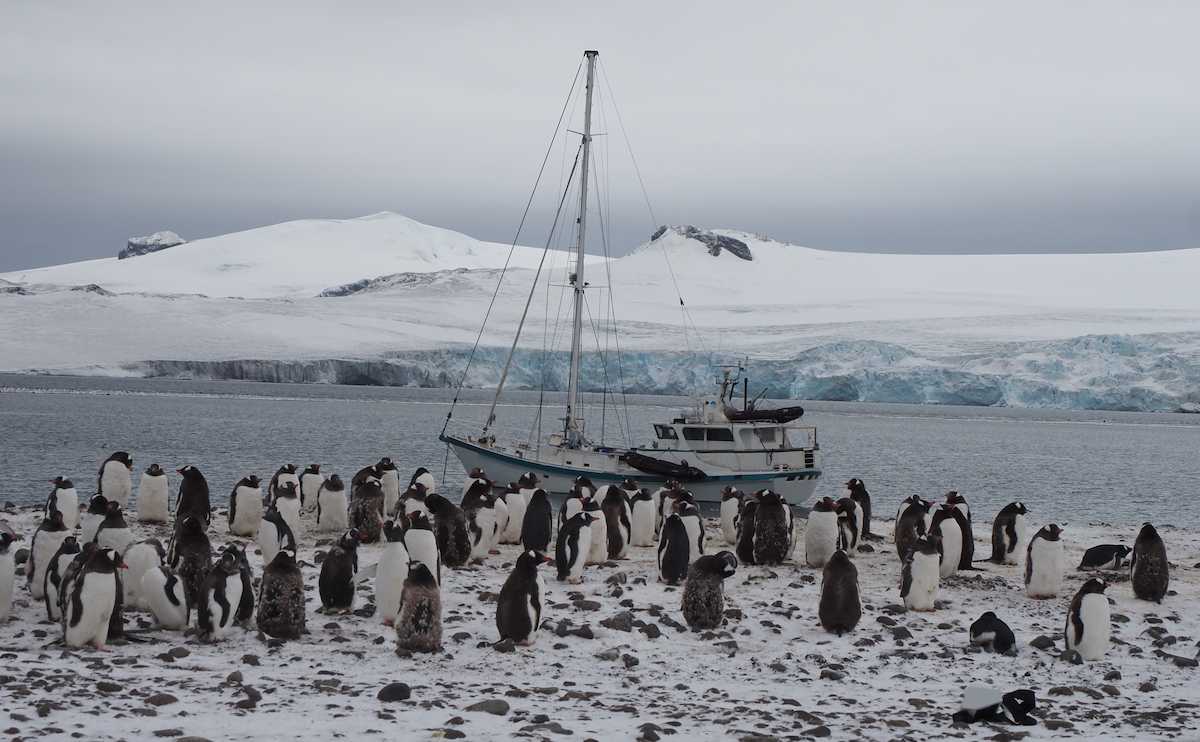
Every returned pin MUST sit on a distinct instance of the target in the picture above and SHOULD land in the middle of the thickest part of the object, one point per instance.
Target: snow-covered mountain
(385, 299)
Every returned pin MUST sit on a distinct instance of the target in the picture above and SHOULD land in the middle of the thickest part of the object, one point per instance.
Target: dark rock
(161, 699)
(168, 732)
(827, 674)
(234, 678)
(818, 731)
(20, 556)
(107, 686)
(179, 652)
(1147, 687)
(622, 621)
(1060, 690)
(714, 242)
(629, 660)
(505, 646)
(136, 246)
(1112, 675)
(1042, 642)
(651, 631)
(587, 605)
(496, 706)
(609, 655)
(393, 692)
(549, 726)
(250, 659)
(583, 632)
(899, 633)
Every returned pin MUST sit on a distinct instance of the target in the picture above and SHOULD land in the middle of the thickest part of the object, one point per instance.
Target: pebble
(161, 699)
(393, 692)
(496, 706)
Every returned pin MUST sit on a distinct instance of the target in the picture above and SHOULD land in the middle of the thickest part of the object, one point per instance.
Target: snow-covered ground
(769, 672)
(1117, 331)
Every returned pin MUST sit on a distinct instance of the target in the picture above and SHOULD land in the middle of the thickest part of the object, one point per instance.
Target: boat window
(693, 434)
(766, 435)
(720, 434)
(666, 432)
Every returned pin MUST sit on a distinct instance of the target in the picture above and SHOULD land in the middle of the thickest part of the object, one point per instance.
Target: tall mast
(572, 428)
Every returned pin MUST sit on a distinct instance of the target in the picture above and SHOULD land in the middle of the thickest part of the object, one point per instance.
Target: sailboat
(705, 448)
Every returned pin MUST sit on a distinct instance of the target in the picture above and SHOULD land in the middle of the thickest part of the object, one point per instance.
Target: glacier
(384, 299)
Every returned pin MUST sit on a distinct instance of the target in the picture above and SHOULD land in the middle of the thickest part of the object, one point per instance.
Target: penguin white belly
(116, 484)
(643, 521)
(695, 532)
(289, 508)
(1021, 528)
(68, 505)
(626, 529)
(965, 509)
(334, 512)
(389, 580)
(152, 499)
(427, 481)
(89, 523)
(729, 516)
(534, 612)
(390, 484)
(1045, 579)
(952, 543)
(598, 551)
(310, 485)
(8, 577)
(516, 518)
(573, 506)
(172, 616)
(247, 511)
(44, 549)
(268, 541)
(1097, 627)
(98, 597)
(575, 576)
(117, 539)
(928, 520)
(422, 547)
(52, 593)
(481, 542)
(820, 538)
(233, 594)
(656, 497)
(925, 573)
(500, 524)
(139, 559)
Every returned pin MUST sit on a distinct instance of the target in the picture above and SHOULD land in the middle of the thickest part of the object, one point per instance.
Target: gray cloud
(940, 127)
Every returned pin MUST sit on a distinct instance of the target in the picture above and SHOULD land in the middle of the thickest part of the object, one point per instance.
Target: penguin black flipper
(233, 504)
(116, 619)
(906, 578)
(1010, 533)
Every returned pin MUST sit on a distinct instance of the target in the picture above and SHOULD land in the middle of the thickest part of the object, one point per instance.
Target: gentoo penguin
(597, 553)
(947, 529)
(840, 607)
(921, 575)
(904, 504)
(332, 506)
(910, 525)
(674, 551)
(281, 597)
(617, 521)
(1044, 563)
(70, 572)
(64, 499)
(450, 529)
(475, 476)
(981, 703)
(821, 536)
(154, 499)
(573, 503)
(571, 550)
(643, 518)
(689, 512)
(772, 521)
(245, 506)
(164, 594)
(193, 496)
(1105, 556)
(95, 593)
(519, 608)
(419, 625)
(857, 491)
(216, 613)
(1089, 623)
(191, 557)
(412, 500)
(338, 573)
(993, 635)
(537, 529)
(960, 502)
(114, 532)
(731, 506)
(1148, 569)
(849, 525)
(478, 506)
(245, 607)
(139, 558)
(747, 523)
(516, 498)
(421, 543)
(500, 506)
(8, 574)
(366, 474)
(56, 571)
(274, 534)
(391, 572)
(960, 511)
(46, 541)
(285, 474)
(664, 500)
(114, 480)
(90, 521)
(422, 477)
(389, 482)
(704, 590)
(310, 483)
(366, 510)
(287, 502)
(1008, 533)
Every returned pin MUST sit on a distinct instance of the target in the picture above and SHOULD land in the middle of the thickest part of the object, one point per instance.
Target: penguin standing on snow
(689, 512)
(904, 504)
(704, 591)
(537, 529)
(1044, 563)
(164, 595)
(391, 573)
(94, 598)
(617, 522)
(1008, 533)
(8, 574)
(1089, 623)
(571, 550)
(245, 607)
(958, 501)
(478, 506)
(519, 608)
(961, 513)
(643, 518)
(221, 594)
(421, 543)
(139, 558)
(947, 529)
(281, 597)
(857, 491)
(191, 557)
(245, 506)
(1148, 570)
(664, 498)
(993, 635)
(840, 607)
(515, 499)
(747, 523)
(114, 532)
(332, 506)
(450, 529)
(411, 501)
(366, 511)
(849, 525)
(338, 573)
(114, 480)
(46, 542)
(287, 502)
(310, 484)
(389, 482)
(154, 499)
(581, 492)
(597, 553)
(65, 500)
(422, 477)
(284, 475)
(921, 575)
(193, 496)
(674, 551)
(90, 521)
(910, 526)
(55, 573)
(1105, 556)
(731, 507)
(70, 572)
(419, 625)
(821, 536)
(772, 528)
(274, 534)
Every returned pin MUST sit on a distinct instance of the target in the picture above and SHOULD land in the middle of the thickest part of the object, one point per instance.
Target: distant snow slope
(403, 302)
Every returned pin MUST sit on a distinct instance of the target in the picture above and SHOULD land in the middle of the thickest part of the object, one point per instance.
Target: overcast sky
(956, 127)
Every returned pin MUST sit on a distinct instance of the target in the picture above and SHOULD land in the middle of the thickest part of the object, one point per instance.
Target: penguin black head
(252, 481)
(529, 561)
(107, 559)
(437, 504)
(1021, 510)
(313, 469)
(6, 540)
(927, 544)
(1051, 532)
(62, 483)
(722, 564)
(953, 498)
(1148, 533)
(538, 495)
(190, 472)
(419, 574)
(580, 483)
(385, 464)
(846, 507)
(393, 531)
(350, 540)
(113, 510)
(285, 559)
(839, 560)
(154, 470)
(287, 469)
(528, 480)
(512, 489)
(1094, 585)
(98, 505)
(239, 552)
(824, 505)
(334, 482)
(287, 489)
(730, 493)
(477, 473)
(123, 457)
(629, 485)
(229, 562)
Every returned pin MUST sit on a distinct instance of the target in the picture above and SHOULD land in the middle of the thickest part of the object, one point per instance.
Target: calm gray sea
(1066, 466)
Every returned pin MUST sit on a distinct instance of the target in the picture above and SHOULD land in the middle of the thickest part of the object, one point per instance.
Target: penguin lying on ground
(993, 635)
(1105, 556)
(988, 704)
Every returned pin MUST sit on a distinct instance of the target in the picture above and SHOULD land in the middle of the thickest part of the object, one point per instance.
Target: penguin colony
(87, 576)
